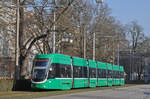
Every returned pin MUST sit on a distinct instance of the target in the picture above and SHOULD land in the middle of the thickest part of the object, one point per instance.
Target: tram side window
(102, 71)
(118, 74)
(114, 74)
(85, 72)
(60, 71)
(80, 72)
(52, 71)
(68, 71)
(65, 71)
(92, 72)
(99, 73)
(122, 75)
(105, 73)
(77, 72)
(110, 73)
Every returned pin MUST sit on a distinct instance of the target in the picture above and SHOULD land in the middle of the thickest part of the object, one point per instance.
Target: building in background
(147, 70)
(7, 29)
(134, 65)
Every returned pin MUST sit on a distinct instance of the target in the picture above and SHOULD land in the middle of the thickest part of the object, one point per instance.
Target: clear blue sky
(129, 10)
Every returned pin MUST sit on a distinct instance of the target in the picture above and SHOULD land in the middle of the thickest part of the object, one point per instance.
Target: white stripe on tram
(102, 78)
(92, 78)
(62, 78)
(80, 78)
(74, 78)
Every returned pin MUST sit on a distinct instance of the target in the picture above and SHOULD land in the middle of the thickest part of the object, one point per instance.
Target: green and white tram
(116, 75)
(58, 71)
(80, 73)
(101, 74)
(122, 81)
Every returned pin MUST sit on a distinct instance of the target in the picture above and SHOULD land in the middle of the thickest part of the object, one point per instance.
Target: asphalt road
(134, 92)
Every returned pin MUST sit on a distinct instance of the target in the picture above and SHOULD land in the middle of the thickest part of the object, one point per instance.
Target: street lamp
(54, 27)
(17, 43)
(54, 34)
(97, 1)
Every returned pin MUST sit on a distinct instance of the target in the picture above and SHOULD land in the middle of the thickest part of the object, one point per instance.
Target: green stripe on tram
(79, 61)
(56, 58)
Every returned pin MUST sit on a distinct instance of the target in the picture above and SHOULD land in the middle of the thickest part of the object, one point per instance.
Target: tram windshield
(40, 69)
(41, 63)
(39, 75)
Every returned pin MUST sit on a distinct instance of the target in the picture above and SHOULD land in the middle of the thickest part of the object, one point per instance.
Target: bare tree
(136, 37)
(75, 20)
(81, 16)
(136, 32)
(26, 41)
(107, 29)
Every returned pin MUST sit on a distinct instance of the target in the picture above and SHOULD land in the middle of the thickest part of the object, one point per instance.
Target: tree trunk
(21, 40)
(22, 65)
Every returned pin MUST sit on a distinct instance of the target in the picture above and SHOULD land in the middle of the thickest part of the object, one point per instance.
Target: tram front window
(39, 75)
(40, 69)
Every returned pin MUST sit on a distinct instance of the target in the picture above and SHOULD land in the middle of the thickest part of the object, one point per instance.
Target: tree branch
(45, 35)
(33, 41)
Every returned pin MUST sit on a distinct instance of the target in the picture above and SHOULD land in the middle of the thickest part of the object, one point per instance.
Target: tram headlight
(44, 86)
(50, 69)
